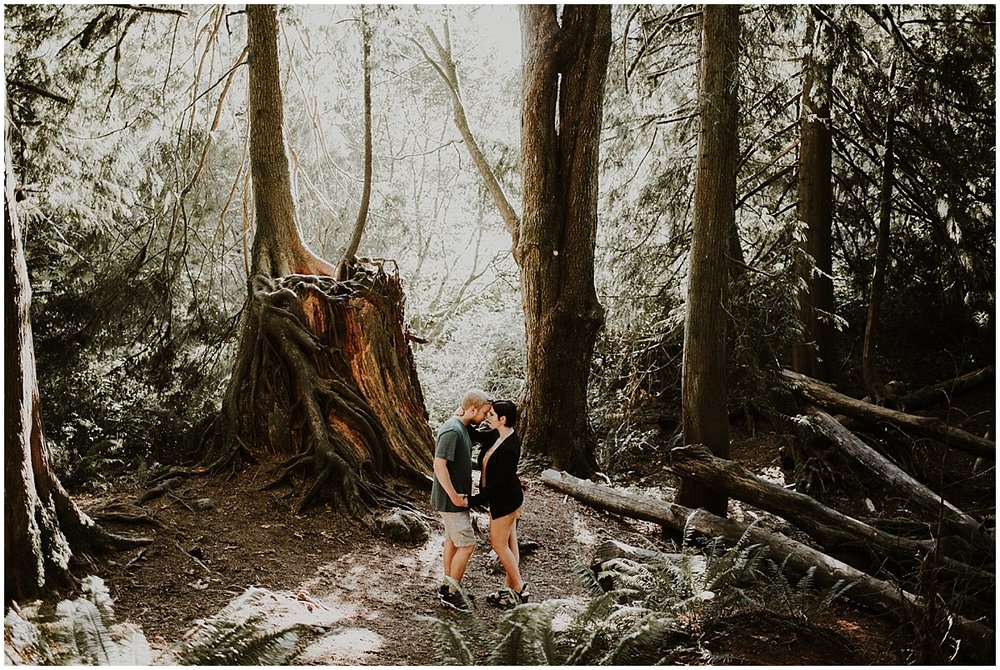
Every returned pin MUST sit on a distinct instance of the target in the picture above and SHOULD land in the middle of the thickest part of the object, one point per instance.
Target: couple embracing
(499, 491)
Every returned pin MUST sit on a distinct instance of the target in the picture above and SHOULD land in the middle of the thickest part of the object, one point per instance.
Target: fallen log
(824, 396)
(842, 536)
(873, 593)
(945, 391)
(932, 505)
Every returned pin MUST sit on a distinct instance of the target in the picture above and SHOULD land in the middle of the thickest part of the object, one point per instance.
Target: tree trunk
(798, 558)
(926, 426)
(870, 370)
(564, 66)
(43, 527)
(344, 271)
(704, 392)
(324, 375)
(816, 354)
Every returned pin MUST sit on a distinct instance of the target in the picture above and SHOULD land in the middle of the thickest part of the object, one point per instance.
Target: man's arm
(444, 479)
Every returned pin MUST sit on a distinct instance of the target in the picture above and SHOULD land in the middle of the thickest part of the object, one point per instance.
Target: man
(450, 493)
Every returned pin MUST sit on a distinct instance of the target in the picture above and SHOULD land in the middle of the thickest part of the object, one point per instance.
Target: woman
(500, 491)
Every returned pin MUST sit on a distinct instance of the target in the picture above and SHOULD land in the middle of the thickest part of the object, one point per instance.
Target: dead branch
(874, 593)
(945, 391)
(824, 396)
(931, 504)
(844, 537)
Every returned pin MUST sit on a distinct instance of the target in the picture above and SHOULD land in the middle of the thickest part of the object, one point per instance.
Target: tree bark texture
(816, 355)
(845, 538)
(43, 527)
(324, 376)
(869, 359)
(278, 248)
(876, 594)
(925, 426)
(704, 389)
(366, 190)
(564, 66)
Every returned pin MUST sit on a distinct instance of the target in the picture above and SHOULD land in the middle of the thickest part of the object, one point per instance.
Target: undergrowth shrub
(642, 611)
(84, 631)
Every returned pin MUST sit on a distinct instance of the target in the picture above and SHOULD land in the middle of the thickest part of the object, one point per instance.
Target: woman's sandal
(507, 598)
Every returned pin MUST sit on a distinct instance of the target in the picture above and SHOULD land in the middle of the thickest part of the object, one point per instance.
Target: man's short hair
(476, 398)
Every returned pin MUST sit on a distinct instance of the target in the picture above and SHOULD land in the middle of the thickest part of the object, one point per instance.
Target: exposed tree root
(325, 377)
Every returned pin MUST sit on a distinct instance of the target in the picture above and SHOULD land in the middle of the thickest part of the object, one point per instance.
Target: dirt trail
(366, 591)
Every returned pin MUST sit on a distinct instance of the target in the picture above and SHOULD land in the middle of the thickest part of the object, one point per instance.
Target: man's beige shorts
(458, 528)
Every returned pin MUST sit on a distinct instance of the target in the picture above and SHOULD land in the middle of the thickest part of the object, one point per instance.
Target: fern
(644, 643)
(228, 641)
(450, 646)
(84, 632)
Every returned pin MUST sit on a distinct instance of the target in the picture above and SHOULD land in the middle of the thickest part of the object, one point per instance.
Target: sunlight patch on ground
(344, 646)
(582, 534)
(773, 474)
(564, 616)
(284, 608)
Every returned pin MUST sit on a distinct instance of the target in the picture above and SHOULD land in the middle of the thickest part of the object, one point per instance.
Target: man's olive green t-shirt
(453, 444)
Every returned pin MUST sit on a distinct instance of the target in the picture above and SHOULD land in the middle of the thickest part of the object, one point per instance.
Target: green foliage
(78, 632)
(642, 611)
(449, 644)
(84, 631)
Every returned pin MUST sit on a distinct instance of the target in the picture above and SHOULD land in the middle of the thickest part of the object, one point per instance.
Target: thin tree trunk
(870, 365)
(445, 67)
(704, 389)
(816, 354)
(366, 190)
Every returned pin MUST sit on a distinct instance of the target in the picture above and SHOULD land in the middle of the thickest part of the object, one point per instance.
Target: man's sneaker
(457, 600)
(442, 591)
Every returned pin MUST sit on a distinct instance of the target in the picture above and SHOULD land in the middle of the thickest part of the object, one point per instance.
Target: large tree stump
(325, 379)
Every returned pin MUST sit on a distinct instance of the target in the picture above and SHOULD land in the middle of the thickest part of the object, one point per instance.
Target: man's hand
(459, 500)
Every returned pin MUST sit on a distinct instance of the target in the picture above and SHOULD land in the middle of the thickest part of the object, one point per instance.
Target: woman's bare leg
(500, 533)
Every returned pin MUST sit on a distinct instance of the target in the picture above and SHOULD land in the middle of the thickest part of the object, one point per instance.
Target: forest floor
(366, 594)
(366, 591)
